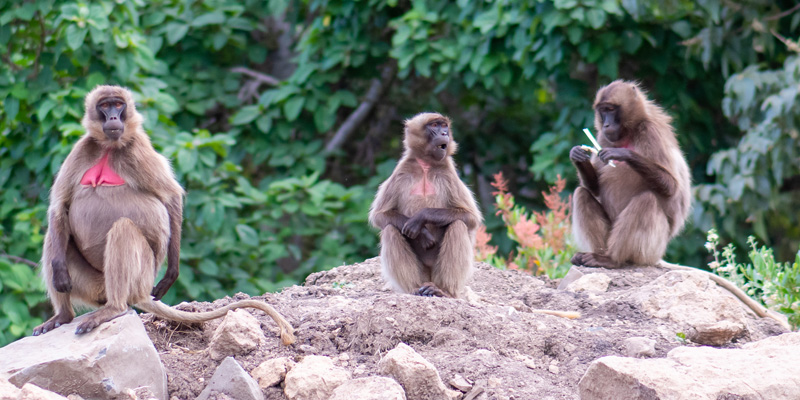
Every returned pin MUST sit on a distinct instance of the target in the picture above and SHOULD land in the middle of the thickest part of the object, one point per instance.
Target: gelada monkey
(628, 213)
(427, 216)
(115, 213)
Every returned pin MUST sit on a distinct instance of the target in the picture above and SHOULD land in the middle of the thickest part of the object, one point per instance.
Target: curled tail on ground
(167, 312)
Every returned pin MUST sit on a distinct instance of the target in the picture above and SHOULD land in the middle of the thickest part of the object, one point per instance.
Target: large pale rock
(596, 283)
(419, 378)
(239, 333)
(369, 388)
(231, 380)
(101, 364)
(689, 298)
(272, 372)
(314, 378)
(768, 369)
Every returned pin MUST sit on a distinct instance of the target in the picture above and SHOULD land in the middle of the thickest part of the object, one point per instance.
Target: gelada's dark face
(438, 138)
(609, 121)
(111, 111)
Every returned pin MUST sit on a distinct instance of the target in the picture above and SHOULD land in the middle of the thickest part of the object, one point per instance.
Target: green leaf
(247, 235)
(264, 123)
(212, 18)
(292, 107)
(208, 267)
(11, 107)
(682, 28)
(246, 115)
(75, 36)
(45, 108)
(176, 31)
(596, 18)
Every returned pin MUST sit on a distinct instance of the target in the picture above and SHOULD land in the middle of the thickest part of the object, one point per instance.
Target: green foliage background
(267, 204)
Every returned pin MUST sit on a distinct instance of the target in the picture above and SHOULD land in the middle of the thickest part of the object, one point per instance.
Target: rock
(95, 365)
(272, 372)
(689, 298)
(573, 275)
(369, 388)
(460, 383)
(32, 392)
(239, 333)
(230, 379)
(639, 347)
(419, 378)
(314, 378)
(715, 334)
(767, 369)
(596, 283)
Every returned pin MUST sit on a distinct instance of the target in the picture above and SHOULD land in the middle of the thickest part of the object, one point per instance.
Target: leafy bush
(775, 285)
(544, 244)
(21, 295)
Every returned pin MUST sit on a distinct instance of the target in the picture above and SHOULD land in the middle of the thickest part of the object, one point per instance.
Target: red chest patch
(425, 186)
(101, 174)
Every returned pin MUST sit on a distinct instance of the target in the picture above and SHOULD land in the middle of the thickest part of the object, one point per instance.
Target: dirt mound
(492, 339)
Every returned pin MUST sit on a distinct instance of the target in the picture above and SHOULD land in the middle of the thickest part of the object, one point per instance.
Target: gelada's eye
(118, 105)
(104, 106)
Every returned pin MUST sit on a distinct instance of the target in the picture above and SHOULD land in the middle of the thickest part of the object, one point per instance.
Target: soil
(493, 341)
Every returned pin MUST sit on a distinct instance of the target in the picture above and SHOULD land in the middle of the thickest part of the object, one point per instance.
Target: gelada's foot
(429, 289)
(52, 323)
(593, 260)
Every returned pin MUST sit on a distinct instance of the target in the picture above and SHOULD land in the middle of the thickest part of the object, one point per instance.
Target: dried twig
(19, 260)
(376, 89)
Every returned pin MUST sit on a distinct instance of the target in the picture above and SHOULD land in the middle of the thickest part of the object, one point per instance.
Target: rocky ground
(492, 340)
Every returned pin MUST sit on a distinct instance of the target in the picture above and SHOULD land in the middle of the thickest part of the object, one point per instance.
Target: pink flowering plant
(544, 244)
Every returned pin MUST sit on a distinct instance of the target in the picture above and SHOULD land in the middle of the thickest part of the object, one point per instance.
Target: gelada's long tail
(167, 312)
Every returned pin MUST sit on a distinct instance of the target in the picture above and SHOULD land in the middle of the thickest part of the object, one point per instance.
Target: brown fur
(407, 264)
(105, 244)
(639, 205)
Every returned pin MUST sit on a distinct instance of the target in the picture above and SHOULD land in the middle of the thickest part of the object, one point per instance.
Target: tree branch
(258, 76)
(19, 260)
(783, 14)
(376, 89)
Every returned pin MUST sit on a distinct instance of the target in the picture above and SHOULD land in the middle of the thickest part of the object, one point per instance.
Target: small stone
(418, 376)
(494, 382)
(461, 383)
(639, 347)
(239, 333)
(593, 283)
(272, 372)
(344, 357)
(232, 380)
(307, 349)
(530, 363)
(715, 334)
(315, 377)
(553, 368)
